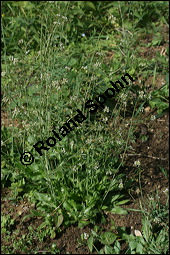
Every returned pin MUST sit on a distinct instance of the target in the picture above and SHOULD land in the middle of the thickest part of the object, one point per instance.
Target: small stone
(147, 109)
(144, 129)
(137, 233)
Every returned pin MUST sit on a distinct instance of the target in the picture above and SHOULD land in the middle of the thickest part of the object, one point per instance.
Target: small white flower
(108, 173)
(93, 78)
(156, 219)
(75, 169)
(20, 41)
(166, 190)
(100, 127)
(83, 35)
(63, 17)
(88, 141)
(137, 163)
(11, 58)
(61, 45)
(96, 166)
(3, 74)
(15, 60)
(99, 53)
(71, 144)
(67, 67)
(153, 117)
(149, 97)
(123, 96)
(141, 94)
(121, 184)
(64, 81)
(84, 67)
(63, 149)
(55, 83)
(84, 236)
(100, 139)
(118, 142)
(47, 76)
(105, 119)
(111, 17)
(97, 64)
(106, 109)
(83, 156)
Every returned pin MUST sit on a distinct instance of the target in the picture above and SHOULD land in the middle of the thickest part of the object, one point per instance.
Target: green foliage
(107, 239)
(152, 240)
(160, 97)
(22, 20)
(55, 56)
(19, 24)
(6, 224)
(146, 12)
